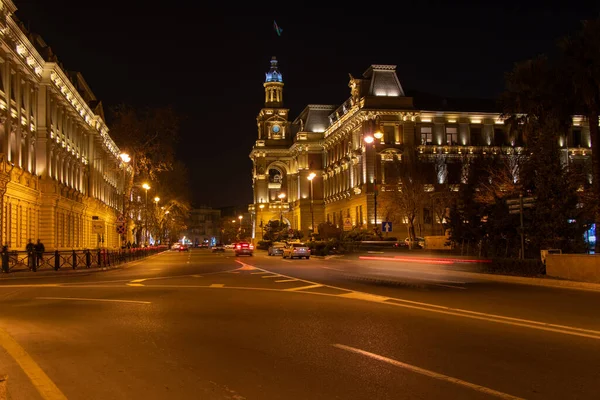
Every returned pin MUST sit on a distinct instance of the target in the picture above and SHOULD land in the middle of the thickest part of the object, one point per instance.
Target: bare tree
(404, 192)
(502, 178)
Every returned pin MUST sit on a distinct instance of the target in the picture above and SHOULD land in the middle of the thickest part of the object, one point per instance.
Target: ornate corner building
(60, 171)
(329, 142)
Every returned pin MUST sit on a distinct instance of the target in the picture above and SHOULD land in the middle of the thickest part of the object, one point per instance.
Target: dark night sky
(211, 65)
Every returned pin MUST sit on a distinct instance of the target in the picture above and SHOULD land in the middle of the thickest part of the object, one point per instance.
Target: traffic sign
(121, 218)
(121, 229)
(386, 226)
(347, 224)
(98, 226)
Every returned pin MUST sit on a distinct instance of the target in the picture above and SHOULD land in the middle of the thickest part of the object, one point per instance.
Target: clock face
(275, 128)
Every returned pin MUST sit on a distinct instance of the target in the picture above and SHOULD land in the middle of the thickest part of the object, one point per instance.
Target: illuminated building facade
(59, 169)
(329, 141)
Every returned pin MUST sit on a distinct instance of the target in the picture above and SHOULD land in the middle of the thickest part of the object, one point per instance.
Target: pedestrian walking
(39, 250)
(31, 255)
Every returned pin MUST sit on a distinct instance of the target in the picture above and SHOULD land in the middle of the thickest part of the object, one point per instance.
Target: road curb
(3, 391)
(548, 282)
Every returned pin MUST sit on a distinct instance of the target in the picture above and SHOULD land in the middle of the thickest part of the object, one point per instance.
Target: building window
(451, 135)
(389, 134)
(576, 141)
(476, 139)
(499, 139)
(426, 136)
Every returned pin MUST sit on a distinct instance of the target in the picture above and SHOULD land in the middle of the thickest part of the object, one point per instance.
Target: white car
(299, 250)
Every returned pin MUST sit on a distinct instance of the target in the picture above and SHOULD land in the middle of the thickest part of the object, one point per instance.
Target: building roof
(433, 102)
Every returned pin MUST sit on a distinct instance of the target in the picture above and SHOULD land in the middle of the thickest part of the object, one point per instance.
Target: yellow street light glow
(311, 176)
(378, 135)
(157, 199)
(369, 139)
(146, 186)
(240, 217)
(281, 196)
(261, 206)
(125, 157)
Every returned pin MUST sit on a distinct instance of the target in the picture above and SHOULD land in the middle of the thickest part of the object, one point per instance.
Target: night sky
(211, 65)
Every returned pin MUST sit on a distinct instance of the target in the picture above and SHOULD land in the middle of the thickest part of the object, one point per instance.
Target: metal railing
(21, 260)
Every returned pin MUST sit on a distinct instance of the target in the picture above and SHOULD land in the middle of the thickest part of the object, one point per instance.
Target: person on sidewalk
(31, 256)
(39, 250)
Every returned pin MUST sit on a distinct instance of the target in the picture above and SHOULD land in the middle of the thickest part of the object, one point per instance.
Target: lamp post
(281, 196)
(146, 187)
(240, 229)
(156, 200)
(371, 140)
(311, 176)
(262, 228)
(126, 159)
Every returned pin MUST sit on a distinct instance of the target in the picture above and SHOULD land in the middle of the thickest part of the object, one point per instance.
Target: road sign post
(386, 226)
(516, 206)
(347, 224)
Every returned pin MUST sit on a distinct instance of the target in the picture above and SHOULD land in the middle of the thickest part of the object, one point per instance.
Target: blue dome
(273, 75)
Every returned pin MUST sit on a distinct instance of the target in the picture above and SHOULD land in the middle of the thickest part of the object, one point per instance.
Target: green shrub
(514, 266)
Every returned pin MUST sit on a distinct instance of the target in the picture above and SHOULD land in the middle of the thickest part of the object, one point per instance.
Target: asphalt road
(198, 325)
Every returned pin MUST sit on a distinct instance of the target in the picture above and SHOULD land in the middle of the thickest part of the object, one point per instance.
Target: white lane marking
(304, 287)
(84, 299)
(431, 374)
(44, 385)
(364, 296)
(138, 280)
(31, 285)
(450, 286)
(544, 326)
(287, 280)
(271, 276)
(135, 284)
(197, 276)
(217, 285)
(260, 273)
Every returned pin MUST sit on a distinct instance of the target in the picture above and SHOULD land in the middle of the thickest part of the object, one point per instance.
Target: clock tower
(270, 154)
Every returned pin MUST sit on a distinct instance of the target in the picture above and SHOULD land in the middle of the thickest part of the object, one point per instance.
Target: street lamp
(126, 159)
(281, 196)
(146, 187)
(371, 140)
(155, 218)
(262, 233)
(311, 176)
(240, 230)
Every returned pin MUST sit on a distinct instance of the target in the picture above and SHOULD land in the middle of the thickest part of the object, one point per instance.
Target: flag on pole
(278, 30)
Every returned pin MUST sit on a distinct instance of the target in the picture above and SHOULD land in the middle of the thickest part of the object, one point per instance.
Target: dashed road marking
(260, 273)
(364, 296)
(217, 285)
(431, 374)
(86, 299)
(134, 284)
(197, 276)
(304, 287)
(287, 280)
(271, 276)
(138, 280)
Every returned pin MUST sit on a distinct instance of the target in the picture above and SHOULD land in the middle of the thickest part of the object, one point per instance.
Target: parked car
(230, 246)
(296, 249)
(218, 247)
(176, 246)
(420, 241)
(275, 249)
(244, 248)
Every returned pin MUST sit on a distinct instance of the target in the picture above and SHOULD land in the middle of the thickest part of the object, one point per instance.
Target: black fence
(15, 260)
